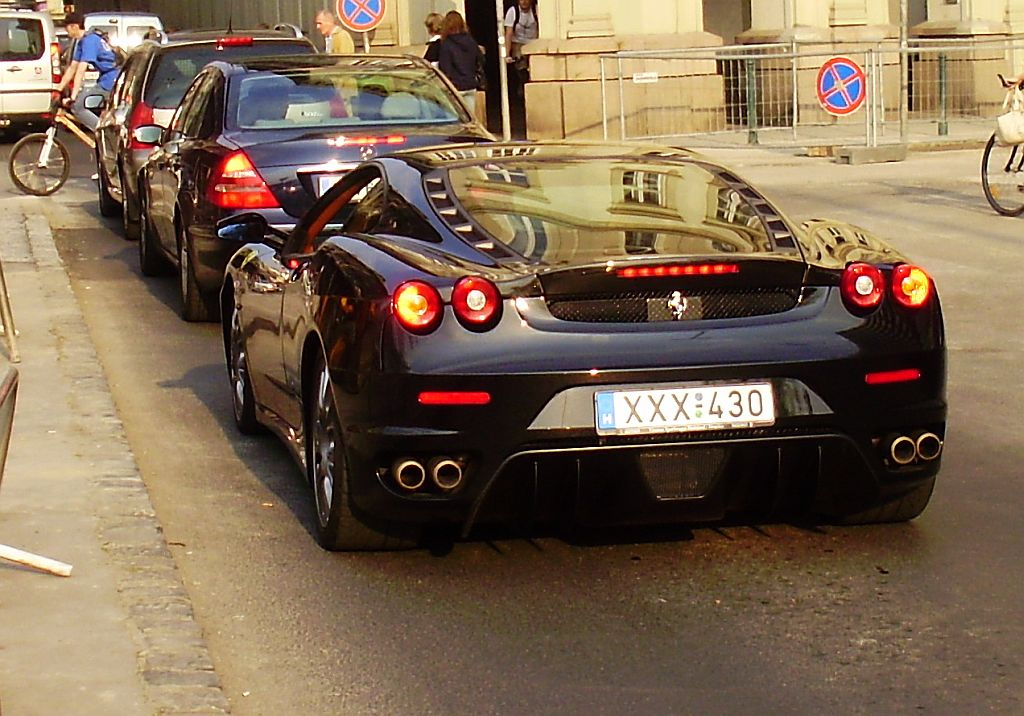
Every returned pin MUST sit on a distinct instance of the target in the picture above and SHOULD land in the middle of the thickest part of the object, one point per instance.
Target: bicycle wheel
(34, 174)
(1002, 177)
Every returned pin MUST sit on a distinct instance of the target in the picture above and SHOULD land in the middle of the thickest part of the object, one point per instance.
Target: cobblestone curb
(173, 659)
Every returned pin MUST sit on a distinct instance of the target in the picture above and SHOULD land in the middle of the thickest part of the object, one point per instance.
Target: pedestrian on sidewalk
(521, 27)
(459, 57)
(434, 22)
(336, 40)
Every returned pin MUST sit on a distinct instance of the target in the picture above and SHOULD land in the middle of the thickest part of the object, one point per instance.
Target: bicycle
(1002, 171)
(39, 163)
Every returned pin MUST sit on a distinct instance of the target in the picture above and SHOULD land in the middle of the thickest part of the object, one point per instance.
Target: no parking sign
(360, 15)
(841, 86)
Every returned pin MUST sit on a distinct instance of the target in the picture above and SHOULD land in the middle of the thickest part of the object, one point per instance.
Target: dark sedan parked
(272, 135)
(620, 334)
(151, 84)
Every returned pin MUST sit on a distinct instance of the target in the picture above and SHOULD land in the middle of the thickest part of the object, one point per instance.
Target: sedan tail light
(862, 286)
(234, 41)
(417, 306)
(476, 302)
(142, 114)
(911, 286)
(55, 72)
(237, 185)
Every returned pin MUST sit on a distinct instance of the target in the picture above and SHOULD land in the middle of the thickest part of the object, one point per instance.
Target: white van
(124, 29)
(29, 67)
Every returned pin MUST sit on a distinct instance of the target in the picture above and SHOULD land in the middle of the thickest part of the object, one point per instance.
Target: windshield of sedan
(558, 211)
(340, 97)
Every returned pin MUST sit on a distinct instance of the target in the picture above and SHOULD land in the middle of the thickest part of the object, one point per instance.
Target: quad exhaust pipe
(902, 450)
(928, 446)
(411, 475)
(445, 472)
(905, 449)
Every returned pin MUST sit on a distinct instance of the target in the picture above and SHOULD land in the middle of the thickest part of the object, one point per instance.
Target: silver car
(29, 67)
(152, 82)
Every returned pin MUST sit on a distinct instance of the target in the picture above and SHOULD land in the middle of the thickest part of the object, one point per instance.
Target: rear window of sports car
(175, 67)
(592, 210)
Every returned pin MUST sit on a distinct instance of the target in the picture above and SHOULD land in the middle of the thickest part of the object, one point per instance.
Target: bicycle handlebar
(1008, 84)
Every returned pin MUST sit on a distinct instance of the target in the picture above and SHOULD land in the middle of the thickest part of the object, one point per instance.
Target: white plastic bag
(1010, 124)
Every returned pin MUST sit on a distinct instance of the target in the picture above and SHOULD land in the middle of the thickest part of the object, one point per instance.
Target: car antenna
(231, 13)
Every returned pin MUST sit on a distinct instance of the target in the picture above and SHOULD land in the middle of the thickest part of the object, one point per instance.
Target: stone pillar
(587, 18)
(965, 18)
(786, 20)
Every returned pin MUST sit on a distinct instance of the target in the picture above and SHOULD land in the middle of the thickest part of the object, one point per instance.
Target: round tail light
(417, 306)
(862, 286)
(476, 302)
(911, 286)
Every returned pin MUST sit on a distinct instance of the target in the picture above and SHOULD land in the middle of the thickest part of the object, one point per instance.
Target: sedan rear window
(341, 97)
(561, 211)
(176, 67)
(21, 39)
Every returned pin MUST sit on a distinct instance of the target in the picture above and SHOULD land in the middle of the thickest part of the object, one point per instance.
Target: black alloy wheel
(337, 528)
(242, 400)
(151, 261)
(130, 214)
(195, 307)
(109, 206)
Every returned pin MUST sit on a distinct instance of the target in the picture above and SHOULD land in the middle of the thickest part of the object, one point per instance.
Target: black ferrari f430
(617, 334)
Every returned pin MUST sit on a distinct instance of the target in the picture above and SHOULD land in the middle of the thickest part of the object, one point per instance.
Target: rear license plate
(684, 409)
(326, 181)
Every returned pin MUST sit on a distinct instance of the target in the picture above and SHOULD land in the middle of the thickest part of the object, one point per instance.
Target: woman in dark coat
(457, 57)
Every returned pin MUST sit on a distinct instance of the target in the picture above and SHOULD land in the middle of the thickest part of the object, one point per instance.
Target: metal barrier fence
(766, 94)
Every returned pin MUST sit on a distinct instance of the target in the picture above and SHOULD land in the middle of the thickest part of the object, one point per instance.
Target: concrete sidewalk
(118, 636)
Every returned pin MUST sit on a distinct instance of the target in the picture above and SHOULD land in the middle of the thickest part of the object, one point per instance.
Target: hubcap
(183, 261)
(239, 373)
(323, 447)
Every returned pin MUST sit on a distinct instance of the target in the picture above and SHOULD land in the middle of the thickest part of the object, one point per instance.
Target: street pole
(904, 77)
(506, 121)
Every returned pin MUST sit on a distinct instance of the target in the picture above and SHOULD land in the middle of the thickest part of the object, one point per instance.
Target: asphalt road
(923, 617)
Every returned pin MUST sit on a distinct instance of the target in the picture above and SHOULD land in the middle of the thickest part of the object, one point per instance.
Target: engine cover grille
(680, 473)
(646, 307)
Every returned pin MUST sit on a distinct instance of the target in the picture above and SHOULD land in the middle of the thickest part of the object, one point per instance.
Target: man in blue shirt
(91, 50)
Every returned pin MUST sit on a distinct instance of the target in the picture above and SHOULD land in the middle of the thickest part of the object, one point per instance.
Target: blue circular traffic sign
(841, 86)
(360, 15)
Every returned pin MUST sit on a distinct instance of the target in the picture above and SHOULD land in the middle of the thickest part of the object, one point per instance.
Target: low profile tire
(130, 213)
(195, 307)
(242, 400)
(151, 261)
(902, 509)
(337, 528)
(109, 206)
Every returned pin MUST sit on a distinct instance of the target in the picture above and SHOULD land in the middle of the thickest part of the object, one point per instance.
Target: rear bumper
(40, 119)
(518, 465)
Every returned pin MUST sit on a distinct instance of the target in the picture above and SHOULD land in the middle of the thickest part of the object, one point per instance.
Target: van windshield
(21, 39)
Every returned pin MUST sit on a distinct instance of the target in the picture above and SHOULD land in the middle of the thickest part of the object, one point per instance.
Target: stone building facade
(564, 98)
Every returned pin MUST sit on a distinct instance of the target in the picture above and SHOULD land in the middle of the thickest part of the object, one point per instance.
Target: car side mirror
(95, 101)
(248, 228)
(148, 134)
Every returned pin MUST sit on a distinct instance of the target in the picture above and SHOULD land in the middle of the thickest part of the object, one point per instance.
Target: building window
(641, 187)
